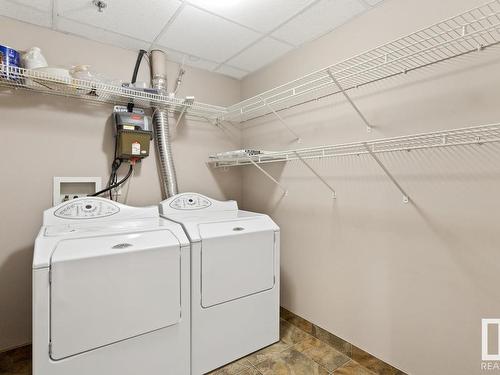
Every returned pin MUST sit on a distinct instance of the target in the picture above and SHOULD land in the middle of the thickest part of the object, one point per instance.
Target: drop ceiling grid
(129, 18)
(234, 39)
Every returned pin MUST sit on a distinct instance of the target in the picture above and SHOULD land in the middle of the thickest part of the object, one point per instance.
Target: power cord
(116, 184)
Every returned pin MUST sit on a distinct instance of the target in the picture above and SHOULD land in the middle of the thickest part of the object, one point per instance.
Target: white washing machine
(234, 278)
(111, 290)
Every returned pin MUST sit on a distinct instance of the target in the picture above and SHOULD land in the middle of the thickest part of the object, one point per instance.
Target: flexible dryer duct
(161, 127)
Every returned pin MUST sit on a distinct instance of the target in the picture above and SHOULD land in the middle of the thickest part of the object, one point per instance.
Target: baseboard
(357, 354)
(5, 350)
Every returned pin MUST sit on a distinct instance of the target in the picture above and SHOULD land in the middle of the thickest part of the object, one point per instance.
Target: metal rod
(346, 95)
(283, 189)
(406, 198)
(317, 175)
(181, 115)
(283, 122)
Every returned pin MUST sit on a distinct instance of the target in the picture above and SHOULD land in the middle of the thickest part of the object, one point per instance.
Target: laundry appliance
(234, 278)
(111, 291)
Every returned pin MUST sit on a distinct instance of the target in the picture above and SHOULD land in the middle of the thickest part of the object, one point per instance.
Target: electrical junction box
(68, 188)
(133, 133)
(132, 144)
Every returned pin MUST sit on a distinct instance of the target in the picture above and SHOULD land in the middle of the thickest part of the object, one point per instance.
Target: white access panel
(106, 289)
(237, 260)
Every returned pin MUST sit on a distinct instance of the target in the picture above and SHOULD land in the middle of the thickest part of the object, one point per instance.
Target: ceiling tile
(140, 19)
(193, 61)
(261, 15)
(231, 72)
(201, 34)
(260, 54)
(373, 2)
(38, 12)
(318, 20)
(41, 5)
(100, 35)
(204, 34)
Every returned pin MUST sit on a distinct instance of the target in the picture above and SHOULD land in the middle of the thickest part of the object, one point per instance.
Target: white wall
(408, 283)
(45, 136)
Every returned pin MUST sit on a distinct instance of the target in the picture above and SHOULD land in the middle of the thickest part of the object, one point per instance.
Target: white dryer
(234, 278)
(111, 292)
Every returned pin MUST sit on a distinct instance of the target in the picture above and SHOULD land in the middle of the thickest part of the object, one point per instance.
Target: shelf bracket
(406, 197)
(346, 95)
(283, 122)
(186, 104)
(282, 188)
(334, 193)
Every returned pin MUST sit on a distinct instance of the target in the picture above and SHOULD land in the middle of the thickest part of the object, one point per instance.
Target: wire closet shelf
(477, 135)
(43, 82)
(465, 33)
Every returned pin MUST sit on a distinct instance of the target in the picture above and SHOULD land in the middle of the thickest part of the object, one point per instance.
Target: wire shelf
(94, 91)
(465, 33)
(471, 31)
(477, 135)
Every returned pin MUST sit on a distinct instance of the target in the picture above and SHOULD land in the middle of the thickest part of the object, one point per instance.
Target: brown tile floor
(297, 353)
(16, 362)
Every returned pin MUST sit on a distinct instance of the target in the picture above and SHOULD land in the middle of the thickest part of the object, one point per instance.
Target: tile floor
(297, 353)
(16, 362)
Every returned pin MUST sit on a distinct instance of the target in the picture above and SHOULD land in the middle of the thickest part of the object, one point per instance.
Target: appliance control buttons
(190, 202)
(86, 209)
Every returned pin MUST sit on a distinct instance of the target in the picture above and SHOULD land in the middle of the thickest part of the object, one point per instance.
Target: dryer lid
(192, 209)
(194, 203)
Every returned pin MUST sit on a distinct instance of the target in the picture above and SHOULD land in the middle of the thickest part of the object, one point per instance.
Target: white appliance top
(193, 209)
(195, 203)
(94, 209)
(96, 217)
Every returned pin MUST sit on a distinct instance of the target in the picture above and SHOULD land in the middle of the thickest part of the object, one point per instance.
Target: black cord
(137, 65)
(116, 184)
(115, 165)
(130, 106)
(113, 177)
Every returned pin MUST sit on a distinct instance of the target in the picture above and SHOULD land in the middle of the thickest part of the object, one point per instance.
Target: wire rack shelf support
(465, 33)
(475, 135)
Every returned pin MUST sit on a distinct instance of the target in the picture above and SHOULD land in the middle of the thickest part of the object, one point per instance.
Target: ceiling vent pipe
(166, 166)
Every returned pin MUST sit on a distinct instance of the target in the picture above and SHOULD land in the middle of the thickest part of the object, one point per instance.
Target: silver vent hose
(166, 166)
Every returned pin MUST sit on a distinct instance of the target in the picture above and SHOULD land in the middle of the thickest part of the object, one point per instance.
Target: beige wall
(45, 136)
(408, 283)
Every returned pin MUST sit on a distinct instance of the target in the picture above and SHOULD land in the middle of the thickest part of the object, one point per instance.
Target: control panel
(190, 202)
(86, 209)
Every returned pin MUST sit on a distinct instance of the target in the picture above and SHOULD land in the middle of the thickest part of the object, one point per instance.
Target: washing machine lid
(111, 288)
(89, 217)
(96, 210)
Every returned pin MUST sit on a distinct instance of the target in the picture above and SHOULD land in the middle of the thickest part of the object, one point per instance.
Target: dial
(86, 209)
(190, 202)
